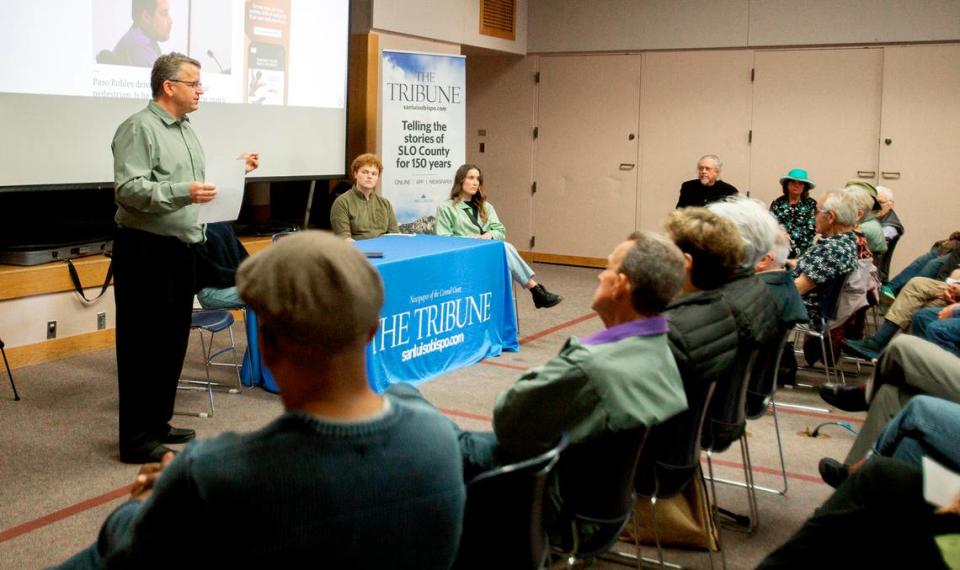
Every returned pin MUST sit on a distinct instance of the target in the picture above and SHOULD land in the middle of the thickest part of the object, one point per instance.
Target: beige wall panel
(633, 25)
(921, 117)
(812, 22)
(435, 19)
(445, 20)
(608, 25)
(587, 110)
(405, 43)
(501, 98)
(818, 110)
(691, 104)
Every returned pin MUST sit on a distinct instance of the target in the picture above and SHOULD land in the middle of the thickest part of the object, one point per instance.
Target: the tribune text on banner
(423, 98)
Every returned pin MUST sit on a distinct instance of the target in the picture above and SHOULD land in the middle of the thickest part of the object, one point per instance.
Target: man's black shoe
(833, 472)
(144, 456)
(178, 435)
(847, 398)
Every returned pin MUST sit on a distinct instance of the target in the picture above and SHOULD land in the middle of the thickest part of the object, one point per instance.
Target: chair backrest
(503, 521)
(727, 417)
(829, 294)
(672, 453)
(763, 380)
(883, 264)
(595, 479)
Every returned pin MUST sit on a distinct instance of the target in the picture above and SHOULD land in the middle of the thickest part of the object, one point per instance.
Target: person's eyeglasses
(191, 84)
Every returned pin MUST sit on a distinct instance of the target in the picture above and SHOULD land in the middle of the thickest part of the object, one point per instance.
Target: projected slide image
(268, 41)
(135, 32)
(147, 28)
(264, 52)
(273, 73)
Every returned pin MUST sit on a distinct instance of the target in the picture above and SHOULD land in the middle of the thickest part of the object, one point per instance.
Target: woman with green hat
(796, 210)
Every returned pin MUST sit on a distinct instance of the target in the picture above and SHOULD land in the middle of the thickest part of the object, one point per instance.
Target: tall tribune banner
(423, 101)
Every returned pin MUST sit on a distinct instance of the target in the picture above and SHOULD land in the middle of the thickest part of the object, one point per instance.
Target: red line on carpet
(834, 417)
(504, 365)
(56, 516)
(559, 327)
(467, 415)
(769, 471)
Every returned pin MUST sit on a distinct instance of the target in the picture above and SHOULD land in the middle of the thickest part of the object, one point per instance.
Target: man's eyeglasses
(191, 84)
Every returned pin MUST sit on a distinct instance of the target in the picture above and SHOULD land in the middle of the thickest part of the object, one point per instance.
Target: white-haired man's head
(708, 169)
(776, 258)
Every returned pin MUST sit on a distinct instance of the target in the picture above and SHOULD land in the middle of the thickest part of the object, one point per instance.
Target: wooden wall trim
(531, 256)
(362, 94)
(58, 348)
(17, 282)
(54, 277)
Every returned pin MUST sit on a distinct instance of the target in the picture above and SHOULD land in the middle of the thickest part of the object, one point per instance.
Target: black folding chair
(727, 423)
(883, 264)
(668, 463)
(761, 396)
(595, 479)
(503, 523)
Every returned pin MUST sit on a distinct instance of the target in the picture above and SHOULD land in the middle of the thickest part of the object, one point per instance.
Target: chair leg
(837, 369)
(712, 507)
(776, 429)
(206, 366)
(750, 485)
(16, 395)
(236, 363)
(656, 531)
(823, 351)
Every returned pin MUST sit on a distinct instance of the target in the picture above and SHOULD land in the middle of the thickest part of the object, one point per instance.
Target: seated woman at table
(467, 213)
(361, 213)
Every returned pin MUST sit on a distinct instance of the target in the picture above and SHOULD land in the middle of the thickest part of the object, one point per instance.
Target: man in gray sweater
(341, 467)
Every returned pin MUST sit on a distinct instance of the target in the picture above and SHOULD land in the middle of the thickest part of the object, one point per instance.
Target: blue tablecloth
(449, 304)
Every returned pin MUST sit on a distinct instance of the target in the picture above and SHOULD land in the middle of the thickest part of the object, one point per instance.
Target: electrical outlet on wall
(101, 321)
(51, 329)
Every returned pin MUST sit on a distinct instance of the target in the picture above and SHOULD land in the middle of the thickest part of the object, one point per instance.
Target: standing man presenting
(158, 168)
(707, 187)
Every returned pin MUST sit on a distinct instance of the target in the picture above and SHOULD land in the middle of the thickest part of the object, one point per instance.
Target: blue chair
(213, 322)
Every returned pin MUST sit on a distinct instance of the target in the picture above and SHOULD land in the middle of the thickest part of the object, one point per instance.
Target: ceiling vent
(498, 18)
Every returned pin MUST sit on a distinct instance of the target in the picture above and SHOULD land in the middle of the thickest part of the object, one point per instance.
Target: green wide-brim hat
(800, 175)
(870, 188)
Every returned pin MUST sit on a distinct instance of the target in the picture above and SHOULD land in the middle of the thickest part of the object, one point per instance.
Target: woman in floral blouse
(796, 210)
(833, 255)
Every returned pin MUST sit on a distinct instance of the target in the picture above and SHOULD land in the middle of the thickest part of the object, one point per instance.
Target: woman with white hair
(831, 257)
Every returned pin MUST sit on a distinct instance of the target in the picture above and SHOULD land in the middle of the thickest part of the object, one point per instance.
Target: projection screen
(274, 75)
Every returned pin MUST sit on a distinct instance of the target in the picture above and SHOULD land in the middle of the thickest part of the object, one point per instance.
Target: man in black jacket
(707, 186)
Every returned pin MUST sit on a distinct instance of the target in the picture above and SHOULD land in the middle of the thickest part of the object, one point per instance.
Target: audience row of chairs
(601, 480)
